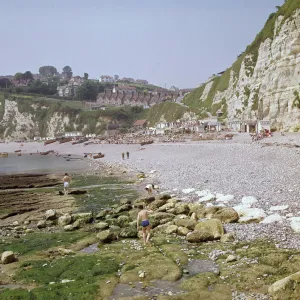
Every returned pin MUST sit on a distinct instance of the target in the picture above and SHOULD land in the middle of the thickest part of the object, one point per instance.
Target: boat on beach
(47, 152)
(49, 142)
(99, 155)
(3, 154)
(19, 154)
(147, 143)
(18, 151)
(65, 140)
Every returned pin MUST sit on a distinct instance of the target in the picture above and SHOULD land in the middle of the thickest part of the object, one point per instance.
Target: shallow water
(36, 163)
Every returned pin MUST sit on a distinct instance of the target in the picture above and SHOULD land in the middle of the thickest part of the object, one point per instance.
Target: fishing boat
(147, 143)
(49, 142)
(47, 152)
(65, 140)
(19, 154)
(3, 154)
(100, 155)
(18, 151)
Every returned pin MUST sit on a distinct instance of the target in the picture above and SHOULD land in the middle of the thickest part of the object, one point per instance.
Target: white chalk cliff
(264, 82)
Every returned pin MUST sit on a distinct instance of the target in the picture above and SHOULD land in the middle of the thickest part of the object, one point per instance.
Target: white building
(73, 134)
(106, 78)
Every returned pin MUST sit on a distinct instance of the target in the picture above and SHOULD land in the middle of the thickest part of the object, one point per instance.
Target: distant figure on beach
(123, 155)
(127, 153)
(66, 181)
(143, 216)
(150, 188)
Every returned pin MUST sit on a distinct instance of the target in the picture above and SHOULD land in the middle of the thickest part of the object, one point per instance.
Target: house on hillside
(141, 81)
(128, 79)
(140, 124)
(106, 78)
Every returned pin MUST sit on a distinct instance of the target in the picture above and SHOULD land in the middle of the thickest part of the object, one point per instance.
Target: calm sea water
(14, 164)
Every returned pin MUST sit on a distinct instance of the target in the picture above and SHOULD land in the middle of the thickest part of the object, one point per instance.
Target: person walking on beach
(127, 153)
(66, 181)
(123, 155)
(146, 227)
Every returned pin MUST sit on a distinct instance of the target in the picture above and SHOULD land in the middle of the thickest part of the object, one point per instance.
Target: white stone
(152, 171)
(256, 213)
(272, 218)
(207, 198)
(50, 214)
(67, 280)
(249, 200)
(225, 198)
(203, 193)
(41, 224)
(188, 191)
(279, 207)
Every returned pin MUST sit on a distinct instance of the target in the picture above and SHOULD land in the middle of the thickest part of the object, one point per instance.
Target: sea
(36, 163)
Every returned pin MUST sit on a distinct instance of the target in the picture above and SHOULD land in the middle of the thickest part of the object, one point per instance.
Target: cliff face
(264, 82)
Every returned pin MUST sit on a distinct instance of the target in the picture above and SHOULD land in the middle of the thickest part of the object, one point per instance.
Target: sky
(167, 42)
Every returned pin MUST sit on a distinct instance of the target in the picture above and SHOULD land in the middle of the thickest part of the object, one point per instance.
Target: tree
(4, 82)
(48, 71)
(87, 91)
(18, 76)
(86, 76)
(67, 72)
(27, 76)
(116, 77)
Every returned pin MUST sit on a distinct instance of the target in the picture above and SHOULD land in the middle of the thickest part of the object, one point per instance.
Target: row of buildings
(110, 79)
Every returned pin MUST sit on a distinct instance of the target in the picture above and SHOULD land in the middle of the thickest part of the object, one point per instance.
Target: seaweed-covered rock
(122, 208)
(166, 207)
(65, 220)
(125, 201)
(101, 225)
(188, 223)
(183, 231)
(8, 257)
(156, 204)
(128, 232)
(165, 197)
(106, 236)
(226, 215)
(123, 221)
(181, 208)
(171, 229)
(102, 214)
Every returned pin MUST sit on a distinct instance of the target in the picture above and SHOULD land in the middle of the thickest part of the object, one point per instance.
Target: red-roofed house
(140, 124)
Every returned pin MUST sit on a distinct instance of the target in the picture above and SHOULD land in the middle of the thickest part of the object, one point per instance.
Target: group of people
(123, 155)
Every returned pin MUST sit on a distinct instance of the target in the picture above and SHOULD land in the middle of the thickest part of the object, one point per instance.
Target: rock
(295, 224)
(101, 225)
(64, 251)
(65, 220)
(286, 288)
(226, 215)
(248, 214)
(102, 214)
(122, 208)
(41, 224)
(111, 222)
(249, 200)
(183, 231)
(79, 223)
(106, 236)
(77, 192)
(279, 207)
(142, 275)
(125, 201)
(272, 218)
(208, 212)
(209, 197)
(165, 197)
(8, 257)
(87, 217)
(50, 214)
(231, 258)
(123, 221)
(188, 191)
(225, 198)
(128, 232)
(188, 223)
(181, 209)
(206, 231)
(68, 228)
(26, 222)
(156, 204)
(29, 230)
(15, 223)
(171, 229)
(228, 237)
(166, 207)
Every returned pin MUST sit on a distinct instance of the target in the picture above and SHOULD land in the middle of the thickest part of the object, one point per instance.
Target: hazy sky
(172, 42)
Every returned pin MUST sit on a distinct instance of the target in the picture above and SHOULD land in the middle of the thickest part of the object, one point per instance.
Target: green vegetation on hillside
(170, 111)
